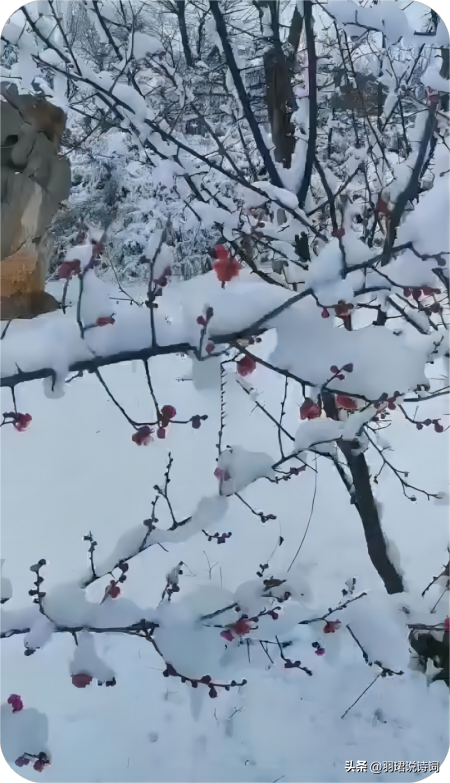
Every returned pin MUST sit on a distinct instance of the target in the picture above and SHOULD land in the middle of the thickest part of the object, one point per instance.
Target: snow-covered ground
(77, 470)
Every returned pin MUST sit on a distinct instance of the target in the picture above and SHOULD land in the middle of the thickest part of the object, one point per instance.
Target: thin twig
(310, 516)
(360, 696)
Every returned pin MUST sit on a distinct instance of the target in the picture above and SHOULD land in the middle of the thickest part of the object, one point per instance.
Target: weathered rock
(34, 180)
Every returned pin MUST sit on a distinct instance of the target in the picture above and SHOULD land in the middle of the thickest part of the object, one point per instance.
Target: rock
(34, 180)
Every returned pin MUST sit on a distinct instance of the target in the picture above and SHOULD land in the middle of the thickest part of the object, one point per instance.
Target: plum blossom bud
(246, 366)
(168, 411)
(309, 410)
(222, 474)
(81, 680)
(16, 702)
(242, 627)
(332, 626)
(22, 421)
(143, 436)
(68, 269)
(22, 761)
(342, 401)
(113, 591)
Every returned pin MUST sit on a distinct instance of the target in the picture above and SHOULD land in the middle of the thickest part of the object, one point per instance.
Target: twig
(362, 694)
(310, 516)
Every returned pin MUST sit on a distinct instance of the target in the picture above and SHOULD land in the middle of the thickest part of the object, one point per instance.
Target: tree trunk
(181, 13)
(364, 502)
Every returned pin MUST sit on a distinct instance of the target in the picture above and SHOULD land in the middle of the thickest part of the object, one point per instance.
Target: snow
(320, 435)
(383, 361)
(431, 78)
(145, 45)
(385, 16)
(55, 711)
(243, 467)
(11, 32)
(6, 586)
(40, 632)
(86, 661)
(426, 225)
(286, 197)
(51, 57)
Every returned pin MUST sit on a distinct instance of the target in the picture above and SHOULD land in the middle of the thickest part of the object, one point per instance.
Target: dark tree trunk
(243, 95)
(364, 502)
(279, 99)
(279, 69)
(181, 13)
(312, 87)
(367, 510)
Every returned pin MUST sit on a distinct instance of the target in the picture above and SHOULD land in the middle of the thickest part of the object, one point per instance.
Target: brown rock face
(34, 180)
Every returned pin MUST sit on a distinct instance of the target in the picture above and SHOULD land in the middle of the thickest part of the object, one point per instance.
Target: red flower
(209, 347)
(382, 207)
(332, 626)
(325, 313)
(68, 269)
(161, 433)
(242, 627)
(342, 309)
(226, 267)
(221, 253)
(39, 765)
(162, 279)
(309, 410)
(246, 366)
(338, 233)
(320, 651)
(143, 436)
(105, 320)
(167, 413)
(432, 97)
(221, 474)
(346, 402)
(22, 761)
(81, 680)
(113, 590)
(446, 624)
(16, 702)
(22, 421)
